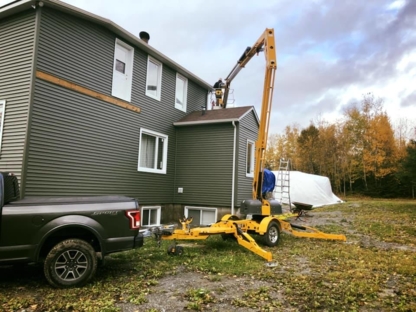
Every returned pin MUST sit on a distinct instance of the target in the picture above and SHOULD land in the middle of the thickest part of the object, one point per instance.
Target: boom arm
(265, 43)
(267, 40)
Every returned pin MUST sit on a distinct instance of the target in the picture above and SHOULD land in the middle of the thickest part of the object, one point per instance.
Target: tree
(308, 147)
(407, 169)
(382, 155)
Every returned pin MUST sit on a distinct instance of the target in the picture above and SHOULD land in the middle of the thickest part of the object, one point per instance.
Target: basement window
(250, 159)
(201, 215)
(153, 151)
(153, 78)
(150, 215)
(2, 112)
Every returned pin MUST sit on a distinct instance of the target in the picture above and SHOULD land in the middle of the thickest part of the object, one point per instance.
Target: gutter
(190, 123)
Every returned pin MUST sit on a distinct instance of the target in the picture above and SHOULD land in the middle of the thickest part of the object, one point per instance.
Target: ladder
(282, 189)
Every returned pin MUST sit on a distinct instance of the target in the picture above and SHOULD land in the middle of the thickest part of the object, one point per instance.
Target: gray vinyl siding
(204, 164)
(71, 155)
(76, 50)
(80, 145)
(17, 40)
(197, 97)
(83, 52)
(247, 130)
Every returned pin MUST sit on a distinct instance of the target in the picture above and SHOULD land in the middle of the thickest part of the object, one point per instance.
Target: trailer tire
(71, 263)
(174, 250)
(272, 235)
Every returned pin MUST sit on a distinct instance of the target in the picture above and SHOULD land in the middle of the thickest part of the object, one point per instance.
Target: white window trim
(185, 92)
(130, 72)
(3, 102)
(159, 82)
(201, 209)
(251, 174)
(159, 210)
(165, 152)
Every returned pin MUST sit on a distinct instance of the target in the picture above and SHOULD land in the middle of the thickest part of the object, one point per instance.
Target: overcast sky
(330, 52)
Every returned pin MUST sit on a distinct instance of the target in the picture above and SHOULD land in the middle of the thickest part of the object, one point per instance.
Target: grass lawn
(375, 270)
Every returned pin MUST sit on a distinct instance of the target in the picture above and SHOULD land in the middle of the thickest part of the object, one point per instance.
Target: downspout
(233, 178)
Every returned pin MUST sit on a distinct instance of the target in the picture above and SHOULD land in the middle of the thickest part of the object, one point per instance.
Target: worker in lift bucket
(218, 91)
(218, 84)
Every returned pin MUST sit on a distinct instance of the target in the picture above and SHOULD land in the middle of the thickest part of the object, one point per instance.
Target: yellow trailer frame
(239, 228)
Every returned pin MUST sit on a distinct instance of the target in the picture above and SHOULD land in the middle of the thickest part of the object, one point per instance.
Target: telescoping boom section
(263, 217)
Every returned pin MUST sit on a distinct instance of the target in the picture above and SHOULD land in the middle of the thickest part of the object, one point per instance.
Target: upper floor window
(250, 159)
(122, 71)
(181, 92)
(153, 78)
(2, 111)
(153, 151)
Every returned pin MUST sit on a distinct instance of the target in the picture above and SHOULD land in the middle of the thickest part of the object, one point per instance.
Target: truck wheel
(72, 262)
(271, 237)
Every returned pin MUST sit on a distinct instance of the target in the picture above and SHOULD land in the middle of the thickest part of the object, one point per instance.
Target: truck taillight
(134, 217)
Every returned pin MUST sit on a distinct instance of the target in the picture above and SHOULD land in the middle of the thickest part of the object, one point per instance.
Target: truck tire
(72, 262)
(271, 237)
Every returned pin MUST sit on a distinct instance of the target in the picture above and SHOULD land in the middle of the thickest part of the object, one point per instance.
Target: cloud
(409, 100)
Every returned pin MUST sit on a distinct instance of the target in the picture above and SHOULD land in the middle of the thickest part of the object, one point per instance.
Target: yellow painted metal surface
(310, 232)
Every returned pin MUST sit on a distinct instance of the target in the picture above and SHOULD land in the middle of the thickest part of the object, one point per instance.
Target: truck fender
(71, 221)
(265, 223)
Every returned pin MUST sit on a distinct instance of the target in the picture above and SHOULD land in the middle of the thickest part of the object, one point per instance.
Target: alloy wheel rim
(71, 265)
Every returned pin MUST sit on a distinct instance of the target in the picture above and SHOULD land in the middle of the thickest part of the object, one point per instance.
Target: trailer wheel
(72, 262)
(174, 250)
(271, 237)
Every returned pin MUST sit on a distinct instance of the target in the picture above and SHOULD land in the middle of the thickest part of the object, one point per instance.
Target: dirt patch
(170, 294)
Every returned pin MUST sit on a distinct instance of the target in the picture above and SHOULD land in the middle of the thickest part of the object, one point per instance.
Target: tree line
(361, 154)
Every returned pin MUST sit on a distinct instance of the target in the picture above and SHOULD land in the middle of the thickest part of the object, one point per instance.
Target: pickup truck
(69, 235)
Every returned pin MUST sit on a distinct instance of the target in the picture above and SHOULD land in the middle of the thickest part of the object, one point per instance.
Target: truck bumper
(138, 240)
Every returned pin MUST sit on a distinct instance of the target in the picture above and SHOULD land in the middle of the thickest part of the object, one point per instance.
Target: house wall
(17, 41)
(204, 164)
(82, 145)
(248, 130)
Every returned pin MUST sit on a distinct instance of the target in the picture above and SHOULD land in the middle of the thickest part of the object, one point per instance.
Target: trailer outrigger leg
(234, 227)
(221, 227)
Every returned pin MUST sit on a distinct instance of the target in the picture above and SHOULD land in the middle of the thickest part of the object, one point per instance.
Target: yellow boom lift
(263, 217)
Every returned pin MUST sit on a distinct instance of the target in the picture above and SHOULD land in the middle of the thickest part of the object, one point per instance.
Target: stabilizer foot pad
(271, 264)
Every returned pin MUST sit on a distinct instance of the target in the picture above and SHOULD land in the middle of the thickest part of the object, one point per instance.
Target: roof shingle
(214, 116)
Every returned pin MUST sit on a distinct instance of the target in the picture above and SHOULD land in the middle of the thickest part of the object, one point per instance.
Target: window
(201, 216)
(120, 66)
(181, 92)
(153, 78)
(153, 151)
(150, 215)
(250, 159)
(2, 111)
(122, 71)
